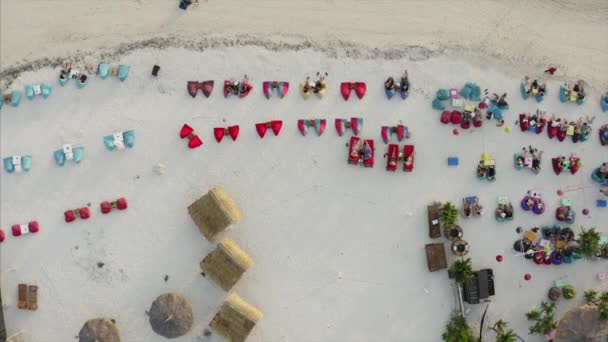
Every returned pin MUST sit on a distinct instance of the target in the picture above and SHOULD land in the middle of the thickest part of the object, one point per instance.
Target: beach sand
(338, 249)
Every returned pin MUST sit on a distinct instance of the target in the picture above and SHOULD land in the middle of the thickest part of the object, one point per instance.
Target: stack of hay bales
(214, 213)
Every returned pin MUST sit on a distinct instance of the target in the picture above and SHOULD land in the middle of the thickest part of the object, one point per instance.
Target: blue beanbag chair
(604, 103)
(123, 71)
(104, 70)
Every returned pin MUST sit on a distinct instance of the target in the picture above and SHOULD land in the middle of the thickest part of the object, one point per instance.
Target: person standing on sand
(551, 70)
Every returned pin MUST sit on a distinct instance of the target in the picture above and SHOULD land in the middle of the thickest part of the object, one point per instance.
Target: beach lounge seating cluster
(563, 163)
(402, 87)
(603, 133)
(394, 155)
(529, 158)
(471, 207)
(553, 246)
(361, 151)
(504, 210)
(533, 202)
(533, 88)
(600, 174)
(573, 92)
(486, 168)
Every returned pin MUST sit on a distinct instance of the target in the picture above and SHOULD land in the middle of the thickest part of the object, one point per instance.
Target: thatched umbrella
(171, 315)
(214, 212)
(236, 319)
(582, 324)
(226, 264)
(99, 330)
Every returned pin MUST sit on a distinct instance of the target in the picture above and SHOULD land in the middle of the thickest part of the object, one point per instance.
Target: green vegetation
(569, 291)
(502, 333)
(449, 214)
(544, 319)
(461, 270)
(458, 330)
(601, 301)
(588, 242)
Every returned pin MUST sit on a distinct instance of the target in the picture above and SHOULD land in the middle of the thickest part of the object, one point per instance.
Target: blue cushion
(452, 161)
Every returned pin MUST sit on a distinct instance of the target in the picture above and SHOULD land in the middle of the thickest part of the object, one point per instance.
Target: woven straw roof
(99, 330)
(236, 319)
(214, 212)
(226, 264)
(171, 315)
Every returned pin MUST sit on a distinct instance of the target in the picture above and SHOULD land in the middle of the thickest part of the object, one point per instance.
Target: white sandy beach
(338, 249)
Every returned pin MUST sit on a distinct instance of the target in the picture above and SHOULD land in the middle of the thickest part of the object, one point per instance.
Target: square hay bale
(214, 212)
(226, 264)
(236, 319)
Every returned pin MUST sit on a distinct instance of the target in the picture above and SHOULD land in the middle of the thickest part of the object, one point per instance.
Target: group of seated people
(504, 210)
(575, 91)
(404, 85)
(579, 129)
(362, 149)
(393, 161)
(472, 208)
(488, 171)
(565, 214)
(602, 172)
(314, 86)
(534, 88)
(67, 72)
(532, 154)
(237, 87)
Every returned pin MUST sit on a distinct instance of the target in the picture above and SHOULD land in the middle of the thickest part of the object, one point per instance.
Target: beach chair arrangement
(579, 130)
(120, 140)
(533, 202)
(534, 89)
(394, 155)
(504, 210)
(471, 207)
(554, 246)
(573, 92)
(25, 228)
(600, 174)
(68, 153)
(400, 130)
(35, 90)
(121, 71)
(346, 88)
(282, 87)
(455, 98)
(240, 88)
(319, 87)
(27, 297)
(355, 124)
(486, 169)
(70, 215)
(107, 206)
(68, 73)
(318, 124)
(13, 98)
(402, 87)
(17, 163)
(562, 163)
(206, 88)
(529, 158)
(274, 125)
(187, 132)
(220, 132)
(564, 212)
(534, 123)
(361, 151)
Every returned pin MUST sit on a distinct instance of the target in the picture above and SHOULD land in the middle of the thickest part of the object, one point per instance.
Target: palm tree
(448, 215)
(502, 333)
(461, 271)
(545, 319)
(457, 330)
(588, 242)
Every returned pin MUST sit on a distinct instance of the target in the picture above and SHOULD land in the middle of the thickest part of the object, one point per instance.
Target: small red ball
(585, 211)
(528, 276)
(499, 258)
(455, 131)
(560, 192)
